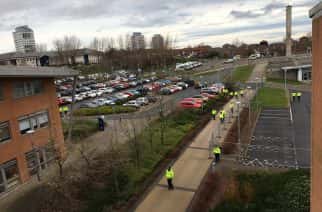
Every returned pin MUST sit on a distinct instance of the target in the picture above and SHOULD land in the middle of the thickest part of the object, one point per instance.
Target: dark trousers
(222, 120)
(170, 185)
(214, 117)
(217, 158)
(299, 98)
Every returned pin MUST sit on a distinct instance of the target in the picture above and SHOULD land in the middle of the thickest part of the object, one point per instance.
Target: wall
(11, 109)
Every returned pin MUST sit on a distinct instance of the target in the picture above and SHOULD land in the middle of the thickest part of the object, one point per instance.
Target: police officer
(294, 94)
(236, 94)
(299, 94)
(221, 116)
(231, 94)
(169, 174)
(224, 114)
(214, 113)
(65, 110)
(241, 93)
(217, 151)
(61, 111)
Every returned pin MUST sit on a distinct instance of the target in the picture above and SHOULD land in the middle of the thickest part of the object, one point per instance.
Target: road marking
(178, 188)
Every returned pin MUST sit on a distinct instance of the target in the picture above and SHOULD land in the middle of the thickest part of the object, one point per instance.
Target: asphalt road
(302, 126)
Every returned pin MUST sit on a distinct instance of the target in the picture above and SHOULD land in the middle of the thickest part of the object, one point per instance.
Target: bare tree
(41, 47)
(67, 48)
(120, 42)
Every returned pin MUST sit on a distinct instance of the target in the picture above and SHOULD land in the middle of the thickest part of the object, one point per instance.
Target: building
(52, 58)
(316, 144)
(30, 126)
(24, 39)
(137, 40)
(157, 42)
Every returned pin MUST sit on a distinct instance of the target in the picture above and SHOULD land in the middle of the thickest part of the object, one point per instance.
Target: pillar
(288, 40)
(300, 75)
(316, 130)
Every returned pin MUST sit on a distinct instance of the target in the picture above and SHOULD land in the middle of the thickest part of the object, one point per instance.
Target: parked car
(210, 96)
(204, 98)
(189, 104)
(165, 91)
(199, 101)
(182, 85)
(121, 96)
(208, 90)
(142, 100)
(132, 103)
(229, 61)
(152, 98)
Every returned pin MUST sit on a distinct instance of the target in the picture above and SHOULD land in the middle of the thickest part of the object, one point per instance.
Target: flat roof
(36, 72)
(296, 67)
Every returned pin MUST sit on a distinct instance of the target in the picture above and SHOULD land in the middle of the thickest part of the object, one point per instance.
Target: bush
(81, 129)
(105, 110)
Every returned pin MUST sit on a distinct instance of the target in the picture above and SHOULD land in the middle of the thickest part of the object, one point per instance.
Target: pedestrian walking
(221, 116)
(65, 110)
(236, 94)
(169, 174)
(213, 114)
(231, 94)
(294, 94)
(101, 123)
(241, 93)
(224, 114)
(231, 107)
(217, 152)
(299, 94)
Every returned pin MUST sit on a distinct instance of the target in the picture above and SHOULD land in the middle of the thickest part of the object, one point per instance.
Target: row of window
(25, 88)
(26, 123)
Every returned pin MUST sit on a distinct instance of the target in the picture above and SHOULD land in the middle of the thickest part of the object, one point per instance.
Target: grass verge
(281, 81)
(272, 97)
(105, 110)
(81, 129)
(242, 73)
(263, 191)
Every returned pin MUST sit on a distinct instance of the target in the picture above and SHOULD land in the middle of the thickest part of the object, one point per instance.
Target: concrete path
(258, 74)
(190, 168)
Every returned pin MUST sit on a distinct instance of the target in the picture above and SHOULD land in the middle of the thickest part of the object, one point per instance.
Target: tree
(67, 48)
(41, 47)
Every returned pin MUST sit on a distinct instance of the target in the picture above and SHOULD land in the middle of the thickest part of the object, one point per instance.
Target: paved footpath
(190, 168)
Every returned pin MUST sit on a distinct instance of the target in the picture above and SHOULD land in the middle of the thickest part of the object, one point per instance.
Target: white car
(79, 97)
(121, 96)
(142, 101)
(229, 61)
(67, 99)
(91, 94)
(252, 57)
(132, 103)
(109, 90)
(99, 93)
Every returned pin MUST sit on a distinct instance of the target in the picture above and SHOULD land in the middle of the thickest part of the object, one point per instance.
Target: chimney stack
(288, 40)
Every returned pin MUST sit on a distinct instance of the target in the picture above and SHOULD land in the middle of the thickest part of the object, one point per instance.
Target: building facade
(316, 144)
(24, 39)
(30, 126)
(157, 42)
(137, 40)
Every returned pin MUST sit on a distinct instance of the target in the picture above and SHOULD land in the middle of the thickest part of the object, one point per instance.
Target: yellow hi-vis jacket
(241, 92)
(169, 174)
(299, 94)
(65, 109)
(61, 109)
(294, 94)
(216, 150)
(213, 112)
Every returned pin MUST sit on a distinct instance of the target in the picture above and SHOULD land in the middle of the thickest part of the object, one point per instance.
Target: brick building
(316, 164)
(30, 125)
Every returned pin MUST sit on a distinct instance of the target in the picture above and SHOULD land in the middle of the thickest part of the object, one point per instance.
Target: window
(4, 132)
(29, 88)
(9, 175)
(33, 122)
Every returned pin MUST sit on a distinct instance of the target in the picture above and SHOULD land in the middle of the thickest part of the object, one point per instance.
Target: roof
(316, 11)
(36, 72)
(296, 67)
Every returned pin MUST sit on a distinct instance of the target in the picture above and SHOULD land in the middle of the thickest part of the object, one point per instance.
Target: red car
(198, 101)
(189, 104)
(60, 101)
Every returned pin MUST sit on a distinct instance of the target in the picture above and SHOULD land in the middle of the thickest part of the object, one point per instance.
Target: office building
(30, 125)
(157, 42)
(24, 39)
(137, 40)
(316, 144)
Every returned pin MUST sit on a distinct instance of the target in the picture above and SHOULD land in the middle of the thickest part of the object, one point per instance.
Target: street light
(30, 133)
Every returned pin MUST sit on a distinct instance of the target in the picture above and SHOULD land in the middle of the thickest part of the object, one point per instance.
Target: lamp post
(238, 116)
(30, 133)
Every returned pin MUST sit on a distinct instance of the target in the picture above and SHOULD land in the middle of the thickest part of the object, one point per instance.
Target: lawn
(242, 73)
(272, 97)
(291, 82)
(264, 191)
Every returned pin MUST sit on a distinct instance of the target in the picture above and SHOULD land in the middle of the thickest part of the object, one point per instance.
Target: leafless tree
(41, 47)
(120, 42)
(67, 48)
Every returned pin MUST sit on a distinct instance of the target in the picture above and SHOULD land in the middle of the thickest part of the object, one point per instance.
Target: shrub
(105, 110)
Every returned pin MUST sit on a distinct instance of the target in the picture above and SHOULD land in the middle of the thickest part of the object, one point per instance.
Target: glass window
(24, 126)
(32, 163)
(11, 173)
(19, 90)
(38, 86)
(29, 88)
(43, 120)
(4, 131)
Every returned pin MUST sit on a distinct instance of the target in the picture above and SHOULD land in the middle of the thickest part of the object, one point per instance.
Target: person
(61, 111)
(65, 110)
(214, 113)
(169, 174)
(217, 151)
(224, 114)
(299, 94)
(236, 94)
(221, 116)
(293, 96)
(231, 106)
(241, 93)
(231, 94)
(101, 123)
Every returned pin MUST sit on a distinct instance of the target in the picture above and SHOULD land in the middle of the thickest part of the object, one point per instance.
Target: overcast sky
(213, 22)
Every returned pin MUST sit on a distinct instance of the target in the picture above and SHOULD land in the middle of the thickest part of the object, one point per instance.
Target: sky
(190, 22)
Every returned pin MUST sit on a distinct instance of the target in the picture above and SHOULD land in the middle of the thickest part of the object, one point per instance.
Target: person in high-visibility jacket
(294, 94)
(231, 94)
(299, 94)
(61, 111)
(221, 117)
(241, 92)
(217, 151)
(231, 107)
(236, 94)
(214, 113)
(169, 174)
(65, 110)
